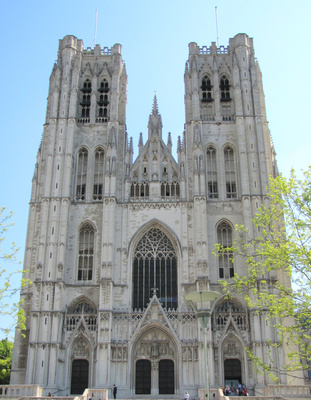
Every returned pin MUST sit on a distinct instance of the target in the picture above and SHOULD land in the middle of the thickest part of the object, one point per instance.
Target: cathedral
(114, 244)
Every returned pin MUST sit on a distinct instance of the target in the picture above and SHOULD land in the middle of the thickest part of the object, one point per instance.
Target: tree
(277, 254)
(6, 351)
(8, 308)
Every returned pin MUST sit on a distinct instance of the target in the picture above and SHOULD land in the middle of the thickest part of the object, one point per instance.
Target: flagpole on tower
(95, 28)
(217, 26)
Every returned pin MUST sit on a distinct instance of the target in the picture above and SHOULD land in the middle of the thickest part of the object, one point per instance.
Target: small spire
(179, 144)
(155, 110)
(155, 121)
(124, 69)
(169, 142)
(187, 68)
(140, 143)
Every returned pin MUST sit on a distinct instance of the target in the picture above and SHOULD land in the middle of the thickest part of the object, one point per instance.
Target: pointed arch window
(230, 174)
(224, 89)
(224, 238)
(81, 174)
(140, 191)
(206, 89)
(170, 190)
(84, 310)
(86, 100)
(86, 253)
(103, 101)
(98, 174)
(155, 266)
(230, 309)
(212, 184)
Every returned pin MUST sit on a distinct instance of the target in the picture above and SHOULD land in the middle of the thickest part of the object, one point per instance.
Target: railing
(101, 119)
(104, 51)
(227, 118)
(287, 390)
(95, 394)
(21, 391)
(207, 50)
(49, 398)
(83, 120)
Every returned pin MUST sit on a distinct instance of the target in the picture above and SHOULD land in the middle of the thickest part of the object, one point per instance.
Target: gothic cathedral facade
(114, 244)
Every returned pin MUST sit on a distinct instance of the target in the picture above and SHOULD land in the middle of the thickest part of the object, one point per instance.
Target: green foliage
(12, 310)
(6, 351)
(277, 253)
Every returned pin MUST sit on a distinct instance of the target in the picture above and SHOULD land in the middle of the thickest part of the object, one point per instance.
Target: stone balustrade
(288, 390)
(21, 391)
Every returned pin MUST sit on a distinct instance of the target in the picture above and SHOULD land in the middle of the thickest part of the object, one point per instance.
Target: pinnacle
(155, 110)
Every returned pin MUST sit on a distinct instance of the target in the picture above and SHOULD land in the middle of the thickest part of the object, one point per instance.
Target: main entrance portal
(143, 377)
(79, 376)
(233, 372)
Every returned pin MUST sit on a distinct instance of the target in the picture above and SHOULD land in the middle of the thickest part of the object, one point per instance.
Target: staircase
(271, 392)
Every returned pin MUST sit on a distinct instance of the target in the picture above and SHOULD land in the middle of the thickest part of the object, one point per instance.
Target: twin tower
(114, 244)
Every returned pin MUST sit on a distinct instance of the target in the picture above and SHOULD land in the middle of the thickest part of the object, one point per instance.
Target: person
(50, 394)
(114, 391)
(232, 389)
(187, 396)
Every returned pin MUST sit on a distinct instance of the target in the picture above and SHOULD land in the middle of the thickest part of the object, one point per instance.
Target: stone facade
(113, 245)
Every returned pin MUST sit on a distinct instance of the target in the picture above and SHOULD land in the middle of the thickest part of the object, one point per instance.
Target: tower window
(206, 89)
(224, 238)
(155, 266)
(86, 99)
(98, 175)
(212, 185)
(224, 89)
(231, 190)
(81, 174)
(86, 253)
(103, 102)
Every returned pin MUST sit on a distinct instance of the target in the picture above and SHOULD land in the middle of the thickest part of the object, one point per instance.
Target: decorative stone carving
(80, 349)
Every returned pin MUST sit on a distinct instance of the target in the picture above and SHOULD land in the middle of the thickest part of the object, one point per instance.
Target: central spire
(155, 121)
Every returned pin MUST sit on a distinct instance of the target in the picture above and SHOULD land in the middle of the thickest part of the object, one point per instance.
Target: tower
(113, 245)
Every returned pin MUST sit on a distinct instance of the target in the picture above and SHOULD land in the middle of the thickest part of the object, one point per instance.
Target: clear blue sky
(154, 37)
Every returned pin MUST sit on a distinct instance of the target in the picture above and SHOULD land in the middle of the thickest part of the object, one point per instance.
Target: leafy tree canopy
(6, 350)
(277, 254)
(13, 311)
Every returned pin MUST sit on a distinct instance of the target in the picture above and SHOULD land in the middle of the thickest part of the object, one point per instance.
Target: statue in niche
(155, 349)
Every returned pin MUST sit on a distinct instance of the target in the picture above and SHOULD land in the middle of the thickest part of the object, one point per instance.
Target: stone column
(154, 378)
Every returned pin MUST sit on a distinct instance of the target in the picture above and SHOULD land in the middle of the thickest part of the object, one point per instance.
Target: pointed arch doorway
(154, 361)
(79, 376)
(233, 373)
